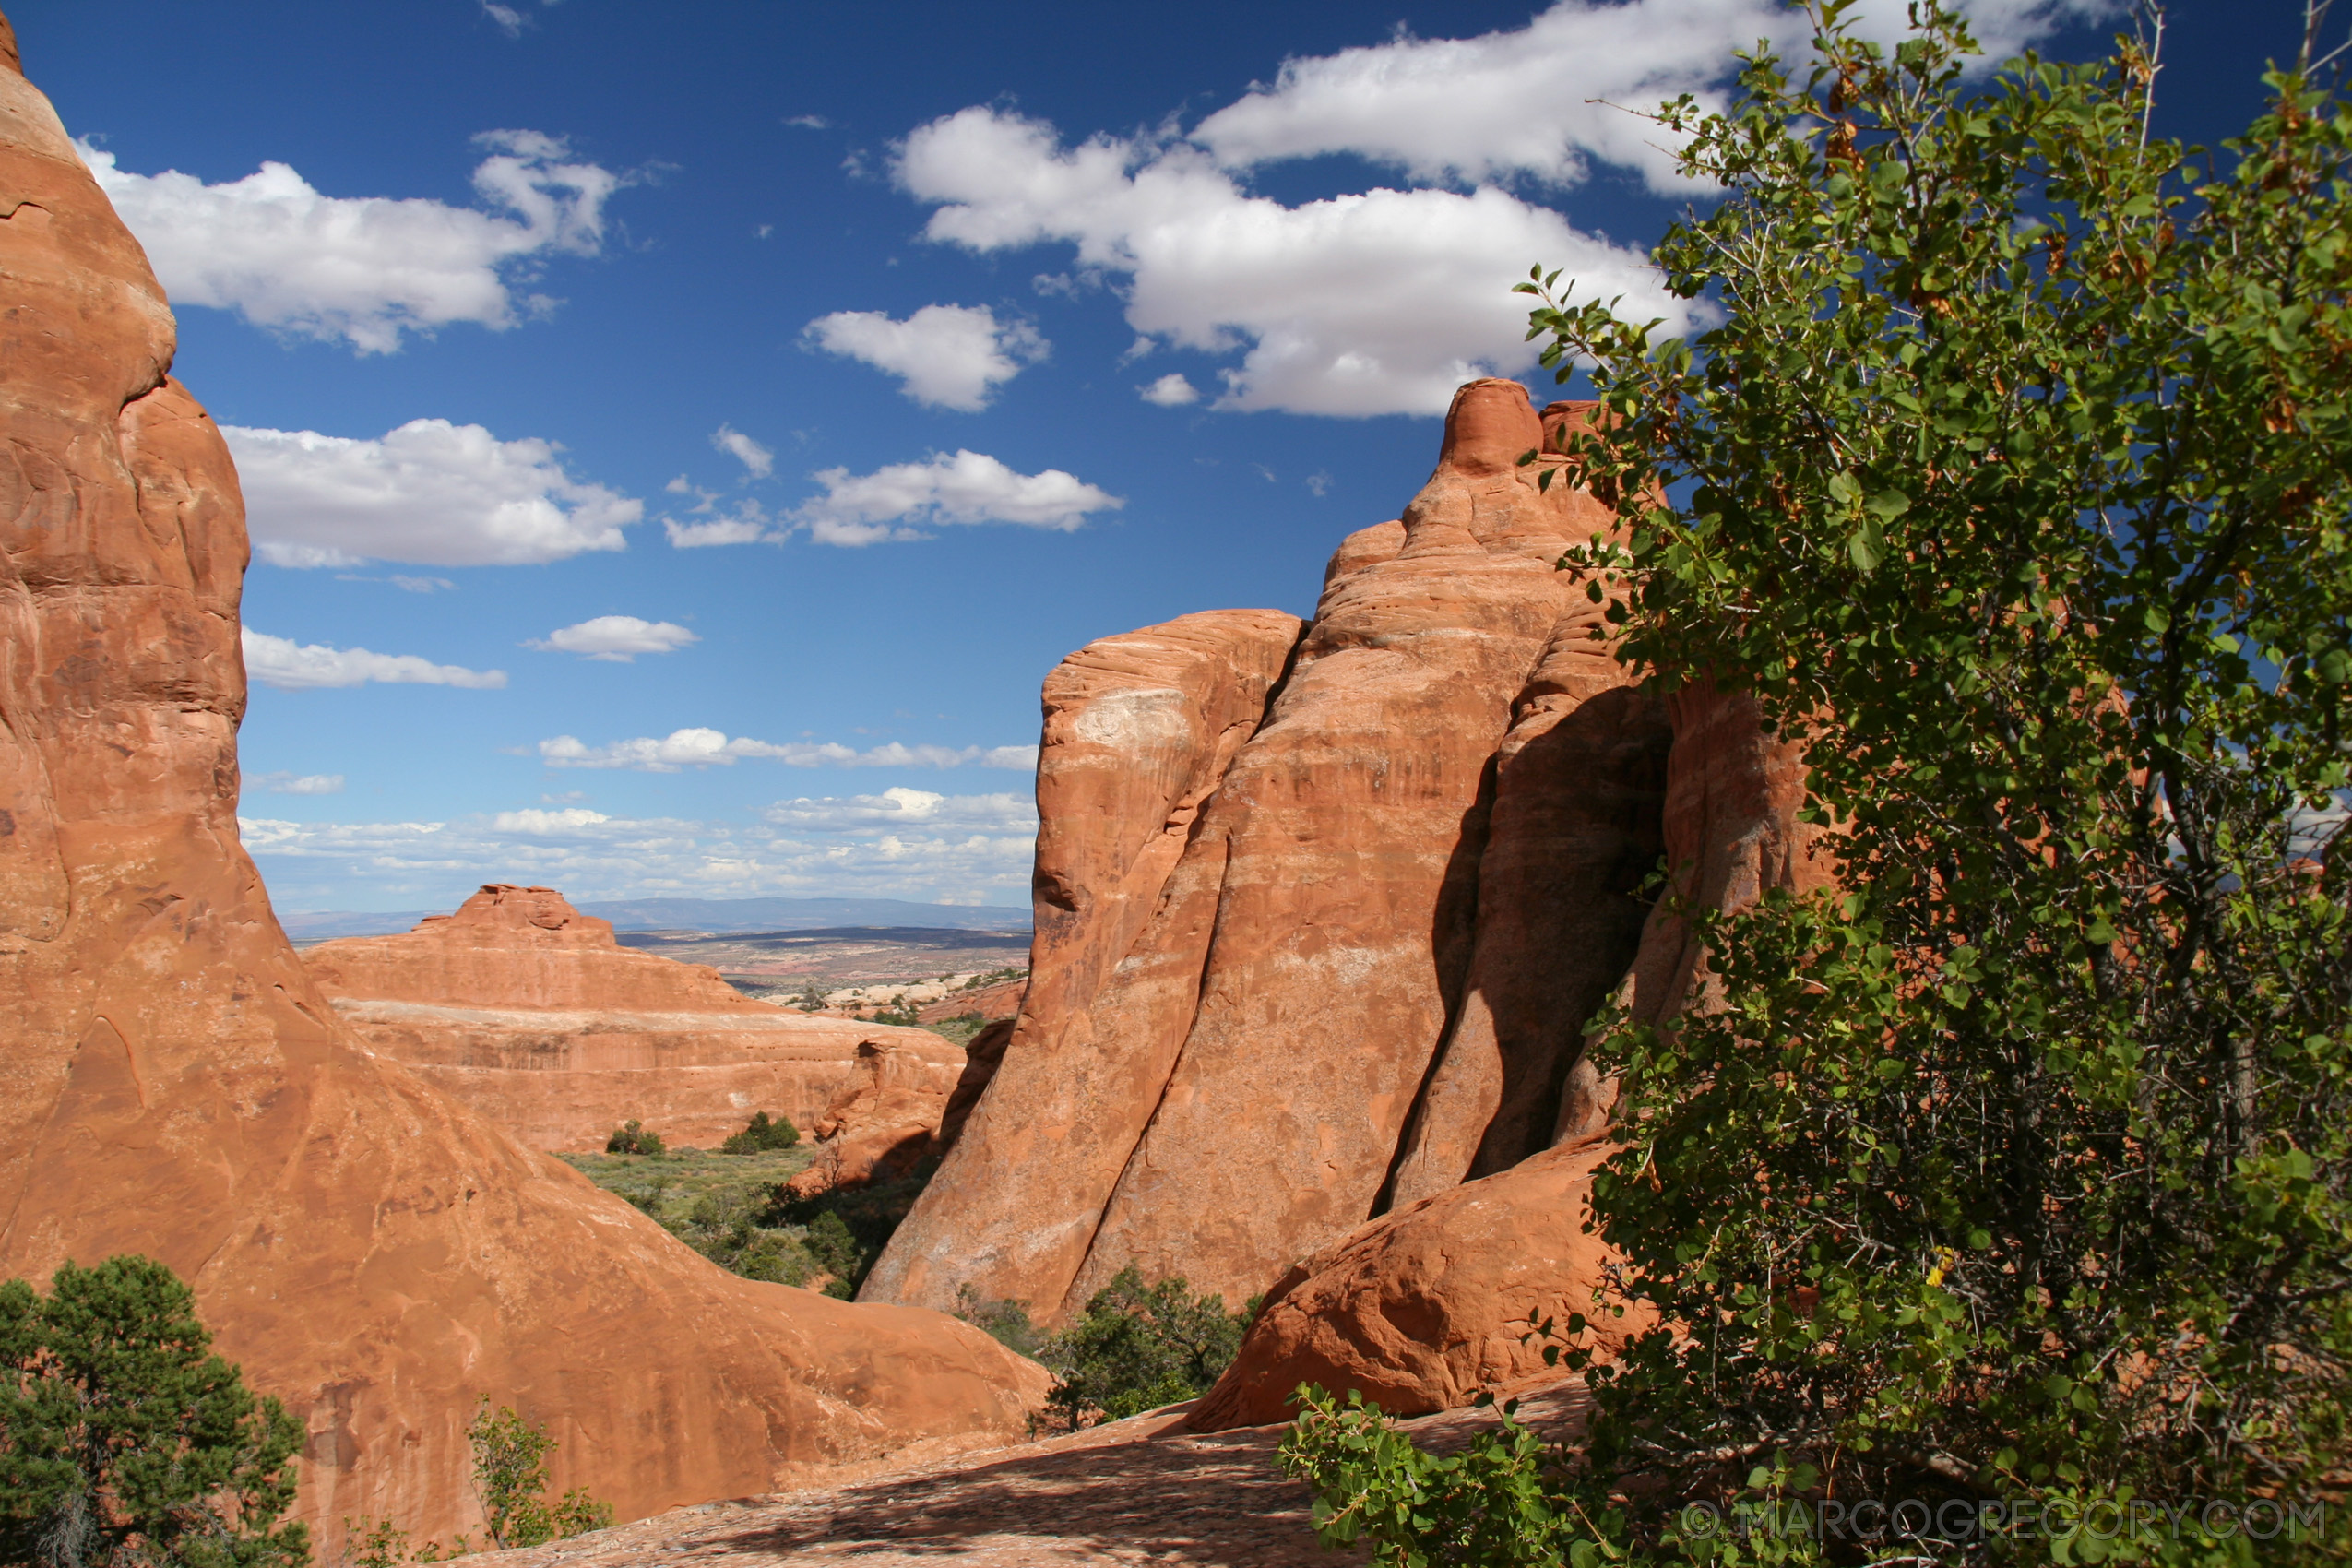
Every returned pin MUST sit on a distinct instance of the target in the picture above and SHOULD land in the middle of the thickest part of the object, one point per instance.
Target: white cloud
(701, 747)
(1553, 98)
(363, 270)
(904, 843)
(530, 819)
(285, 783)
(1380, 302)
(948, 356)
(284, 664)
(903, 807)
(615, 639)
(1170, 391)
(429, 494)
(969, 487)
(510, 22)
(748, 527)
(422, 585)
(744, 450)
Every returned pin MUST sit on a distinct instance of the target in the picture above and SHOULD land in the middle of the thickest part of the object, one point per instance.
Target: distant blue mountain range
(717, 916)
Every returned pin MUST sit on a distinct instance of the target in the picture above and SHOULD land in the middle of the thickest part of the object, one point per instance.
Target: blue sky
(680, 438)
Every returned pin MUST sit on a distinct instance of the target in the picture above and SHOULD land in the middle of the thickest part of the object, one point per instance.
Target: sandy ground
(1135, 1492)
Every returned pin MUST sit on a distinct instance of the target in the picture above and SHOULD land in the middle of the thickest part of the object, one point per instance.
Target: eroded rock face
(885, 1122)
(1229, 1034)
(1426, 1307)
(371, 1252)
(531, 1013)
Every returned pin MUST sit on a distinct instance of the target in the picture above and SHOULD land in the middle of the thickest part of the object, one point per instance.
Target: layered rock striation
(372, 1252)
(531, 1013)
(1321, 909)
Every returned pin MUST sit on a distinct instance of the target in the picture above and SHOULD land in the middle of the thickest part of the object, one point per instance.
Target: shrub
(633, 1138)
(845, 1230)
(124, 1441)
(1138, 1348)
(510, 1479)
(761, 1136)
(1006, 1321)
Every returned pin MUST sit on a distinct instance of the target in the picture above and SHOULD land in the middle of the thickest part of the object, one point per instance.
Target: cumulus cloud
(901, 843)
(430, 493)
(282, 783)
(699, 747)
(968, 487)
(291, 667)
(1170, 391)
(1384, 300)
(615, 639)
(747, 526)
(744, 450)
(1551, 99)
(1371, 303)
(365, 269)
(903, 807)
(947, 356)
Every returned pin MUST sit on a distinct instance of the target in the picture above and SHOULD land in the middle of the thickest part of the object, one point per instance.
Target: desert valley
(786, 1237)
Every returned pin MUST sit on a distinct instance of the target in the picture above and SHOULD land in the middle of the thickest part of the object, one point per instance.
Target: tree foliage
(510, 1480)
(760, 1135)
(2015, 488)
(1139, 1347)
(632, 1138)
(124, 1441)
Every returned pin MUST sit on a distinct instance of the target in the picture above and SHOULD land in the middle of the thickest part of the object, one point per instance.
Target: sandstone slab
(1427, 1306)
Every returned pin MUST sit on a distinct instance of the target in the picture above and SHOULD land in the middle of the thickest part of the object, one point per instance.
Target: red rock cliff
(1318, 920)
(371, 1252)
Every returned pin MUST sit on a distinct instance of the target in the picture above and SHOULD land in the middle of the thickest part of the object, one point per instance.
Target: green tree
(1140, 1346)
(633, 1138)
(124, 1441)
(510, 1480)
(2015, 487)
(760, 1135)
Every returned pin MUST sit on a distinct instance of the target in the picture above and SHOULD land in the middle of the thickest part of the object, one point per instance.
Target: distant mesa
(713, 916)
(370, 1250)
(530, 1012)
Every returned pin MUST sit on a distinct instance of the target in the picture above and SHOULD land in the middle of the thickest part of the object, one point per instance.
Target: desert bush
(633, 1138)
(510, 1479)
(2011, 1173)
(845, 1230)
(1140, 1346)
(1006, 1321)
(124, 1441)
(762, 1136)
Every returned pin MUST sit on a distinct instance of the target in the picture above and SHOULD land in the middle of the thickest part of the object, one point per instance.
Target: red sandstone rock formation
(371, 1252)
(1426, 1307)
(509, 946)
(886, 1121)
(531, 1013)
(983, 1054)
(1231, 1027)
(991, 1002)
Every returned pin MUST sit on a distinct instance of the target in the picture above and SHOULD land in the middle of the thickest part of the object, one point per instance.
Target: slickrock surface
(529, 1012)
(1424, 1307)
(1138, 730)
(1142, 1490)
(371, 1252)
(1229, 1030)
(885, 1120)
